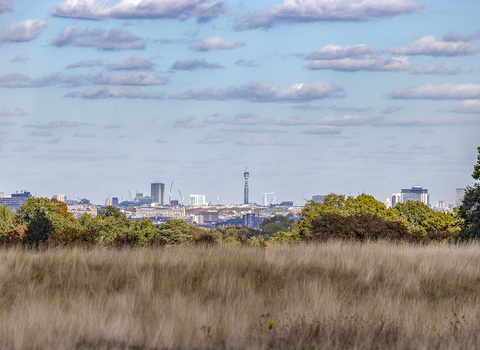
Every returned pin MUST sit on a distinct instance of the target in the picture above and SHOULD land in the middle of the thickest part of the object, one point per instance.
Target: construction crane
(170, 194)
(265, 197)
(272, 201)
(218, 199)
(181, 197)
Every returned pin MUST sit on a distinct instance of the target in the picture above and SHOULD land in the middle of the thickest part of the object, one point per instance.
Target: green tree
(469, 210)
(43, 217)
(173, 232)
(110, 223)
(7, 219)
(276, 224)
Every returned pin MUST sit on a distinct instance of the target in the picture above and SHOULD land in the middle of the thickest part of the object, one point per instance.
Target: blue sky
(313, 96)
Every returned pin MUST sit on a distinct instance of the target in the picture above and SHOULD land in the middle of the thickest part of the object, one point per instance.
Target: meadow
(331, 295)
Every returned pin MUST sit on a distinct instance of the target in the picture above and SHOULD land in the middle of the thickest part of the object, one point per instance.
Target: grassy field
(326, 296)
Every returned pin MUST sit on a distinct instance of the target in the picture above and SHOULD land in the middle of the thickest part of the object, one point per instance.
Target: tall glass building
(158, 192)
(416, 193)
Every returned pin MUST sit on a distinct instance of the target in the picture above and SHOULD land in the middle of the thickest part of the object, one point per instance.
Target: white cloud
(453, 36)
(23, 31)
(6, 6)
(468, 106)
(131, 63)
(195, 64)
(431, 46)
(439, 92)
(85, 63)
(132, 78)
(202, 10)
(255, 92)
(298, 11)
(14, 112)
(22, 81)
(101, 39)
(372, 63)
(187, 123)
(116, 92)
(429, 68)
(334, 51)
(244, 63)
(216, 42)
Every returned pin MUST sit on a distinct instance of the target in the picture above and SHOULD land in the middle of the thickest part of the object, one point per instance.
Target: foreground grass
(328, 296)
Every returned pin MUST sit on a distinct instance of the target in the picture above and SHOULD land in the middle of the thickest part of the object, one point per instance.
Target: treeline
(363, 218)
(43, 222)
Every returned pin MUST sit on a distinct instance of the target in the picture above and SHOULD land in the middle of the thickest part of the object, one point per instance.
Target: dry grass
(328, 296)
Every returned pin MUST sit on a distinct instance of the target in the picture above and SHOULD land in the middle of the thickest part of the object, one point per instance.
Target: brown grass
(325, 296)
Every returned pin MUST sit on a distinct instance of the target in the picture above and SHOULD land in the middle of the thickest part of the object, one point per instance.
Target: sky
(99, 98)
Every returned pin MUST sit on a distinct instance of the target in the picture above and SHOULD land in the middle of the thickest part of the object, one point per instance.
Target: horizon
(103, 97)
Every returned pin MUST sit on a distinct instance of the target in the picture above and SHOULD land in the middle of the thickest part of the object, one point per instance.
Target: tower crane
(181, 197)
(265, 197)
(170, 194)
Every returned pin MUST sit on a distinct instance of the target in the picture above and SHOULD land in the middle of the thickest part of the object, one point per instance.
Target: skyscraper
(158, 192)
(416, 193)
(459, 194)
(245, 191)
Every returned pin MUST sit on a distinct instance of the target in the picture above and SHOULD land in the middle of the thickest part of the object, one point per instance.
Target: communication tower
(245, 191)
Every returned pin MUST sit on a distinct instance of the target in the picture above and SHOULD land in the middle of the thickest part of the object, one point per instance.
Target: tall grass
(325, 296)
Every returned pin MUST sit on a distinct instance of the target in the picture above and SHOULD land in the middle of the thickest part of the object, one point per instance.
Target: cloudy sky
(313, 96)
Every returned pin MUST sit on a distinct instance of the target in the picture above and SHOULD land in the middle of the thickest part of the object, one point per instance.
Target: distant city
(208, 214)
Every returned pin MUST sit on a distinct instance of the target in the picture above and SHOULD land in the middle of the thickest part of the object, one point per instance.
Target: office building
(158, 192)
(319, 198)
(396, 198)
(416, 193)
(197, 199)
(459, 194)
(15, 200)
(61, 197)
(108, 202)
(115, 201)
(249, 220)
(246, 175)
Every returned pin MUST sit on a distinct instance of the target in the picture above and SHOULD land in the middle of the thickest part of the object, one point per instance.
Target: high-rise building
(396, 198)
(115, 201)
(61, 197)
(459, 194)
(197, 199)
(416, 193)
(319, 198)
(158, 192)
(14, 201)
(249, 220)
(108, 202)
(246, 174)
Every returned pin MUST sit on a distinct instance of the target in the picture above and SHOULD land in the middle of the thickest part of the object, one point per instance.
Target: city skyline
(101, 97)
